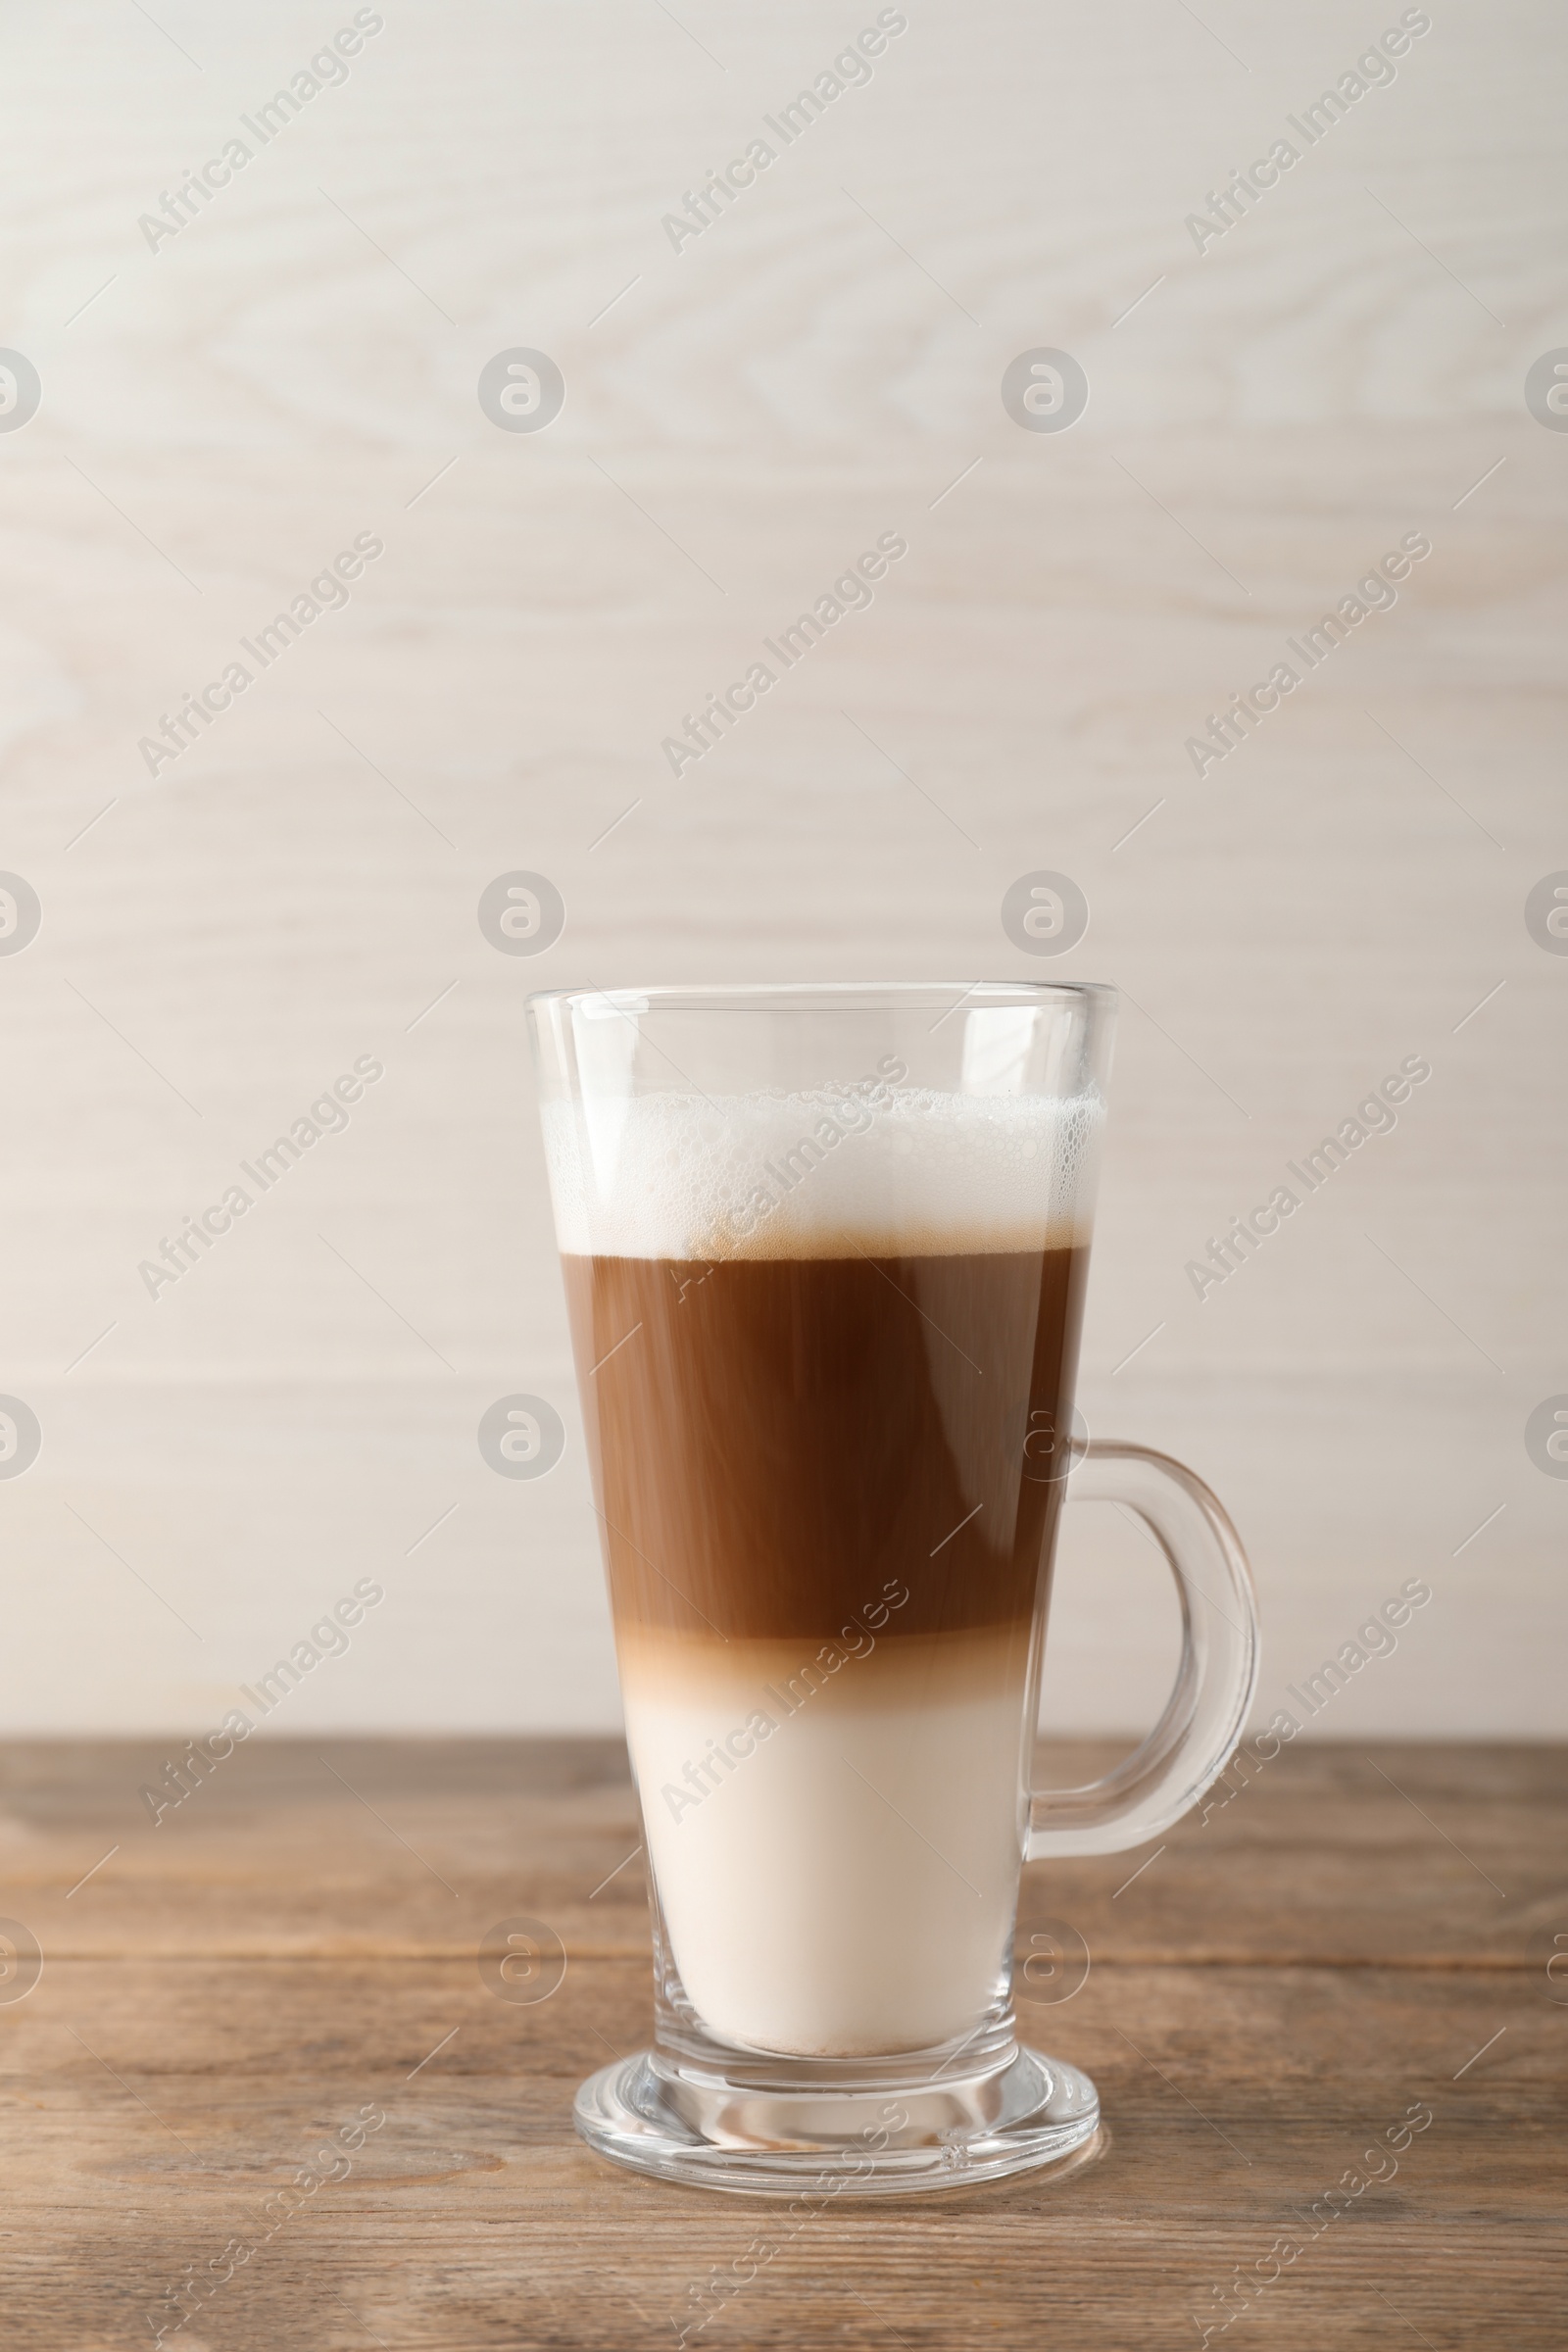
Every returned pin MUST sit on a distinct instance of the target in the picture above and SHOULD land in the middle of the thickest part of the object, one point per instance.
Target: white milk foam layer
(849, 1887)
(894, 1170)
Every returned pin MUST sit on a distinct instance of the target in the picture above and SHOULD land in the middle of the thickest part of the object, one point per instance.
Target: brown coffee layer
(780, 1445)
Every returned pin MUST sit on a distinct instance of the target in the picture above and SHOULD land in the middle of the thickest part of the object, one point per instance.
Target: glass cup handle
(1193, 1738)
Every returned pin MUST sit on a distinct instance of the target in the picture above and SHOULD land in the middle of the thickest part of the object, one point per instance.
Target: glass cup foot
(898, 2140)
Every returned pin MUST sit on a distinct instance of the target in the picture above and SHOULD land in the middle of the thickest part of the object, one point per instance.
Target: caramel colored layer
(778, 1444)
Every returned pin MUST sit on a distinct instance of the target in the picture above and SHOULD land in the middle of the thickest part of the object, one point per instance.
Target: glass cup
(825, 1251)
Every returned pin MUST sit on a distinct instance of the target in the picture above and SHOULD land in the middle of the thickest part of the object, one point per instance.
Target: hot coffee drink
(825, 1331)
(826, 1347)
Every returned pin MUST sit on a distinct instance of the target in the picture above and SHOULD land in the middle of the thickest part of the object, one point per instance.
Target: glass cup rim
(826, 996)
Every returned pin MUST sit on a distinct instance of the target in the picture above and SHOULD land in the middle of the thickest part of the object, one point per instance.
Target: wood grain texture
(299, 365)
(1406, 1855)
(1281, 1987)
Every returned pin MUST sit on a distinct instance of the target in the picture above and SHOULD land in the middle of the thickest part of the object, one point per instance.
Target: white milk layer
(837, 1855)
(874, 1165)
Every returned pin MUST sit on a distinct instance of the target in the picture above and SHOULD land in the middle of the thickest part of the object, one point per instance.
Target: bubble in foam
(903, 1172)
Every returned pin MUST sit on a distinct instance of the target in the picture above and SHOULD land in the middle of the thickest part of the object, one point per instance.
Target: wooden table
(1356, 1937)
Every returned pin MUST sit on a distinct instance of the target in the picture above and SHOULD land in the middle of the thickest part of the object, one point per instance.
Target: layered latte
(826, 1393)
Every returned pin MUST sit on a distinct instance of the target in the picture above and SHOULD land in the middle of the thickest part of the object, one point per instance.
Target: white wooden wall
(223, 414)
